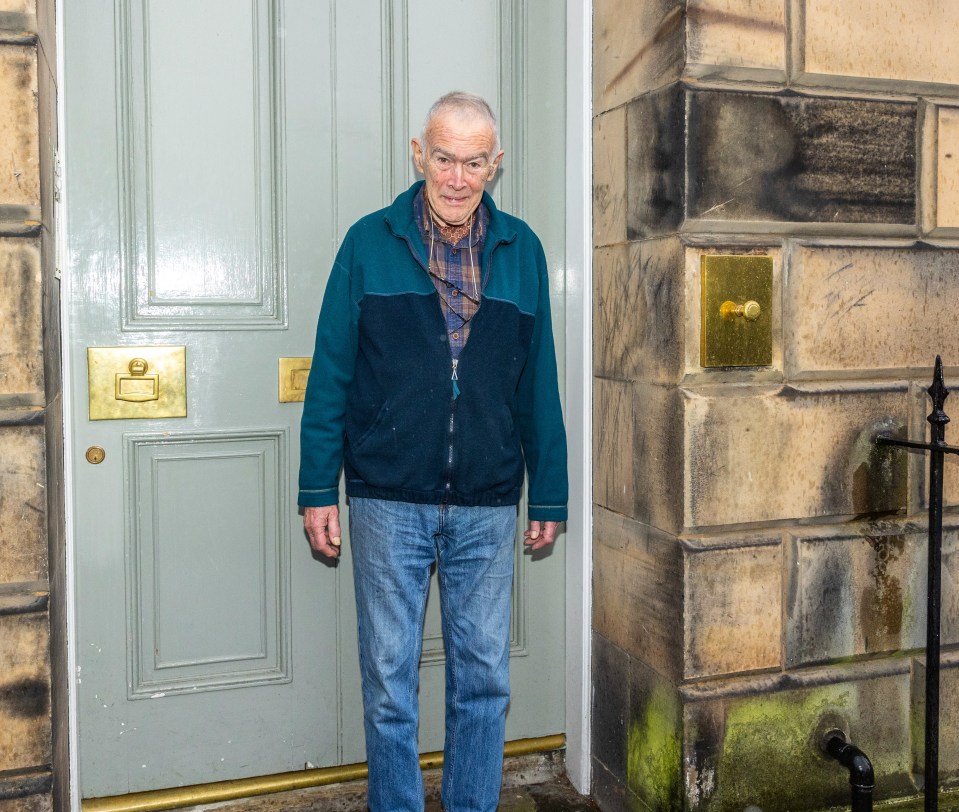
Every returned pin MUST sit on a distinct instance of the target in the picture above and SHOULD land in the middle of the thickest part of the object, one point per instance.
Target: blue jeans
(394, 544)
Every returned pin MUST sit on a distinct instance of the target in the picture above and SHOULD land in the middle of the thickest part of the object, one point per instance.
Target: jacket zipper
(454, 377)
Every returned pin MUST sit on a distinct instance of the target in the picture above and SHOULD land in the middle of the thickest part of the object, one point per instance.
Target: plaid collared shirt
(456, 270)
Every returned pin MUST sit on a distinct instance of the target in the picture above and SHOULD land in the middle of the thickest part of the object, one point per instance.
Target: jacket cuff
(547, 513)
(324, 497)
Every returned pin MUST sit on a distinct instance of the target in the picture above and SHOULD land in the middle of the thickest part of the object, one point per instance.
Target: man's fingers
(540, 534)
(322, 527)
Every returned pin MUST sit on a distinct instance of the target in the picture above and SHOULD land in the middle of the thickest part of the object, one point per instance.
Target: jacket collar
(399, 217)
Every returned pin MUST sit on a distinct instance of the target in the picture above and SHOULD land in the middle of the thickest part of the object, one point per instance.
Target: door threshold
(220, 791)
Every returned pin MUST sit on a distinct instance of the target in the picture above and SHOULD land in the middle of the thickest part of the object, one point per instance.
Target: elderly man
(434, 386)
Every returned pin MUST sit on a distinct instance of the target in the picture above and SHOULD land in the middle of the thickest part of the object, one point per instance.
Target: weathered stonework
(733, 606)
(736, 38)
(876, 40)
(23, 541)
(635, 45)
(20, 158)
(21, 328)
(759, 562)
(946, 192)
(609, 178)
(30, 803)
(24, 692)
(869, 311)
(805, 162)
(29, 413)
(863, 592)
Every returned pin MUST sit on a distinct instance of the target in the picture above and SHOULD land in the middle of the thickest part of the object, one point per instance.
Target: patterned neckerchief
(455, 268)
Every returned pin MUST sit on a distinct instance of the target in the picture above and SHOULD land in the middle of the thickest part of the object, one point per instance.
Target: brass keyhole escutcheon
(749, 311)
(138, 366)
(95, 455)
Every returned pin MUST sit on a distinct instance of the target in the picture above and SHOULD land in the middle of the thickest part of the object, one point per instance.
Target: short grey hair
(466, 105)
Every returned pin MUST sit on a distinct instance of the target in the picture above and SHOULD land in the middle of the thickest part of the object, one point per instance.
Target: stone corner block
(21, 320)
(19, 126)
(638, 451)
(639, 311)
(24, 692)
(636, 47)
(747, 38)
(732, 618)
(638, 590)
(609, 177)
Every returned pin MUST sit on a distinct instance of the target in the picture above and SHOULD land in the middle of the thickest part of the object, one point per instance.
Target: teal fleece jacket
(386, 402)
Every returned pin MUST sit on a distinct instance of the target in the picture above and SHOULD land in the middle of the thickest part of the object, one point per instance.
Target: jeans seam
(451, 660)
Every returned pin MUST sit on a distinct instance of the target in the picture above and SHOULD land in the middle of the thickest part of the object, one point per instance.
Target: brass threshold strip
(219, 791)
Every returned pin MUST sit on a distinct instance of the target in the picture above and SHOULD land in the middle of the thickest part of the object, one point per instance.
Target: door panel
(216, 153)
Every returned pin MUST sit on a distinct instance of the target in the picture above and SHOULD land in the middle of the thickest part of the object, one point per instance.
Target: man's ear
(417, 156)
(494, 166)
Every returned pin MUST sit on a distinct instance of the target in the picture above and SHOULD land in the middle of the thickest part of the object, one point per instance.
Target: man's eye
(441, 160)
(475, 166)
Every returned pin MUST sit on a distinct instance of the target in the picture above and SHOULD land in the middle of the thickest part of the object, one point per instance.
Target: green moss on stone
(768, 756)
(655, 751)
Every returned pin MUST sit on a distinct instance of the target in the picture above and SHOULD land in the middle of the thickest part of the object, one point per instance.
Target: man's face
(457, 162)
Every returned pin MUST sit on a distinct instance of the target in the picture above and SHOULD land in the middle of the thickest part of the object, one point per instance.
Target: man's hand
(322, 525)
(540, 534)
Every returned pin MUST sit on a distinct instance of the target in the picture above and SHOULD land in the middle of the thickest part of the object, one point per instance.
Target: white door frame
(578, 285)
(579, 387)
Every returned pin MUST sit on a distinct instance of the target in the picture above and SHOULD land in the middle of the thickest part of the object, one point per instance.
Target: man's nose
(457, 175)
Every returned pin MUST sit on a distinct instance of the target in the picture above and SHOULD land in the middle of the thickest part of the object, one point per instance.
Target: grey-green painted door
(216, 152)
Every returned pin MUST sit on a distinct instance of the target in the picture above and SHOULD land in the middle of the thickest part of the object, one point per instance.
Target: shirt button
(455, 336)
(455, 293)
(454, 250)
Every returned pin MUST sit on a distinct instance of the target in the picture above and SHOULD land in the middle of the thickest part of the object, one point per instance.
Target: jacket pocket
(381, 415)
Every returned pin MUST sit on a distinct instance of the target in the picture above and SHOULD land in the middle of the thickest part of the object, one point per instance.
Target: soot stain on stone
(800, 159)
(881, 604)
(654, 163)
(25, 698)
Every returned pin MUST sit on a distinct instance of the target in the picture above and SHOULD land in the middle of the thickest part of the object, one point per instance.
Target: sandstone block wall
(759, 565)
(31, 505)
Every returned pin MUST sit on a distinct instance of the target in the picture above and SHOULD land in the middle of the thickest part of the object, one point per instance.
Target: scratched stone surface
(868, 310)
(23, 542)
(636, 46)
(638, 591)
(609, 177)
(21, 328)
(639, 309)
(19, 127)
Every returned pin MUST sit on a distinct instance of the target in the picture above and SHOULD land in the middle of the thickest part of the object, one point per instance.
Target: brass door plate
(293, 375)
(737, 299)
(136, 382)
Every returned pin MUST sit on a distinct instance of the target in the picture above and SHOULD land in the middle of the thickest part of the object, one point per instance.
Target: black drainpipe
(861, 777)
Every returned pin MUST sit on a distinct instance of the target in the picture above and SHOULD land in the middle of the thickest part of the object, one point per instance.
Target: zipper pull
(454, 379)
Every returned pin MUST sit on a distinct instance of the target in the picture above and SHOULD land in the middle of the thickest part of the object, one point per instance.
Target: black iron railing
(937, 449)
